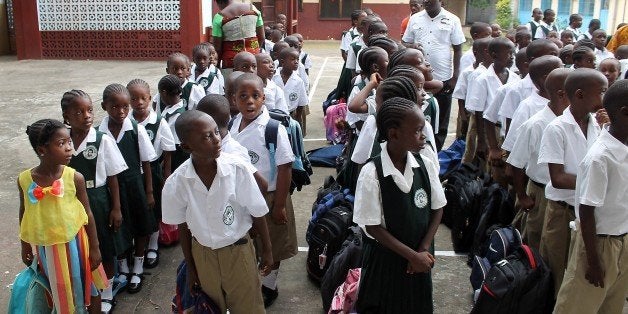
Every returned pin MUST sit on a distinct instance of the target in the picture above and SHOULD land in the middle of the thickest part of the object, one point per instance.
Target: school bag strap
(304, 57)
(187, 91)
(356, 48)
(270, 138)
(361, 85)
(167, 116)
(206, 82)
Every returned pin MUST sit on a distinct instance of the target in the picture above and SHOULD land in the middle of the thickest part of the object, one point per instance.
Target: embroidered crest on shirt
(151, 134)
(293, 96)
(228, 215)
(420, 198)
(90, 152)
(254, 157)
(204, 82)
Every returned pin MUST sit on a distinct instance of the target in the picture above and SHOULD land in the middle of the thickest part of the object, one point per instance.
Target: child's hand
(193, 282)
(495, 157)
(525, 203)
(376, 79)
(94, 257)
(421, 262)
(595, 274)
(27, 253)
(115, 219)
(602, 117)
(150, 200)
(279, 215)
(480, 150)
(266, 264)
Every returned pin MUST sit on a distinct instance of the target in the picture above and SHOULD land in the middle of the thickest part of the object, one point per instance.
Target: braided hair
(397, 86)
(177, 55)
(391, 115)
(40, 132)
(138, 82)
(368, 57)
(114, 89)
(202, 47)
(383, 42)
(171, 84)
(71, 95)
(398, 57)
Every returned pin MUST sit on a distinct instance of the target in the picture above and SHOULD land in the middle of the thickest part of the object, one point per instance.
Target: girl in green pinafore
(135, 183)
(97, 157)
(398, 204)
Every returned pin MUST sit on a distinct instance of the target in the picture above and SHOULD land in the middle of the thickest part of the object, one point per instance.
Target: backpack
(30, 292)
(168, 234)
(336, 127)
(304, 58)
(332, 99)
(521, 283)
(348, 257)
(346, 295)
(450, 158)
(325, 156)
(327, 230)
(184, 302)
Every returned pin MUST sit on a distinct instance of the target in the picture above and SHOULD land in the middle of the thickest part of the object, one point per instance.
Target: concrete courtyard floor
(32, 90)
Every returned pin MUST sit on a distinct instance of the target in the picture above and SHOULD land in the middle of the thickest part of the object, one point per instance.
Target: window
(338, 8)
(525, 11)
(562, 16)
(546, 4)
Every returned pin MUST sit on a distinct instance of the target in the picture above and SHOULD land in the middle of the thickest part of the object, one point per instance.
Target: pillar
(27, 35)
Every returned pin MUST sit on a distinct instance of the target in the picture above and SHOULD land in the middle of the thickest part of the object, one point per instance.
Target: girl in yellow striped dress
(56, 224)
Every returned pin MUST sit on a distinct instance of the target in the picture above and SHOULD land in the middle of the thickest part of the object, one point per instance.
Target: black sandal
(151, 262)
(119, 286)
(136, 287)
(111, 302)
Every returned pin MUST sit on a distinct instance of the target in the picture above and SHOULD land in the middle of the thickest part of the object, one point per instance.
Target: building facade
(609, 12)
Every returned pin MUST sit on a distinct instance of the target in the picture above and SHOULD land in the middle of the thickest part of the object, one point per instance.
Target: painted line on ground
(318, 78)
(437, 253)
(314, 139)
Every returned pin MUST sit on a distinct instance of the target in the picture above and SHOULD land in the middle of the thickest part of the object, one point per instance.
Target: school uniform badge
(293, 96)
(254, 157)
(90, 152)
(420, 198)
(204, 82)
(228, 215)
(151, 134)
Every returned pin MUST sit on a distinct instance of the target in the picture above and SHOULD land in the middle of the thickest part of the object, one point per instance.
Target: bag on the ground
(348, 257)
(346, 295)
(168, 234)
(336, 127)
(184, 302)
(327, 229)
(332, 99)
(30, 292)
(521, 283)
(450, 158)
(325, 156)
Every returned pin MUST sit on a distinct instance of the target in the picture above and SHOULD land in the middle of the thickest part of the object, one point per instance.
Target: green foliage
(504, 14)
(480, 4)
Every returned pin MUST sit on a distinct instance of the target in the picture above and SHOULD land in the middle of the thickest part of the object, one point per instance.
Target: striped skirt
(67, 268)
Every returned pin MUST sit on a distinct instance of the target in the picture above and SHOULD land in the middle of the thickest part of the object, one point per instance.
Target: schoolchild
(537, 16)
(547, 25)
(361, 102)
(359, 43)
(169, 108)
(352, 33)
(204, 71)
(215, 201)
(496, 30)
(57, 228)
(293, 42)
(385, 43)
(622, 55)
(427, 103)
(249, 130)
(523, 38)
(288, 80)
(525, 154)
(575, 22)
(277, 50)
(565, 142)
(275, 98)
(304, 57)
(597, 272)
(178, 64)
(245, 61)
(594, 25)
(567, 37)
(230, 91)
(601, 53)
(583, 57)
(97, 157)
(566, 55)
(415, 58)
(135, 183)
(398, 205)
(610, 67)
(377, 28)
(163, 142)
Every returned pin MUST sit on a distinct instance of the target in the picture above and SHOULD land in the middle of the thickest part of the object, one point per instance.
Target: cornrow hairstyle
(69, 97)
(355, 14)
(113, 89)
(579, 53)
(397, 86)
(586, 43)
(383, 42)
(171, 84)
(175, 56)
(396, 58)
(391, 115)
(403, 69)
(140, 83)
(40, 132)
(368, 57)
(202, 47)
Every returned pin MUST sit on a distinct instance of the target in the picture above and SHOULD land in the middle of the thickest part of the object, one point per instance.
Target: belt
(564, 204)
(612, 236)
(243, 240)
(542, 186)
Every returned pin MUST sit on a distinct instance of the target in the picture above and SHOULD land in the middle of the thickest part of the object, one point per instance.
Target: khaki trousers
(536, 215)
(555, 238)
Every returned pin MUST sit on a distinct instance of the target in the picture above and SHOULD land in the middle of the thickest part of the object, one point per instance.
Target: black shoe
(269, 296)
(111, 302)
(151, 262)
(135, 287)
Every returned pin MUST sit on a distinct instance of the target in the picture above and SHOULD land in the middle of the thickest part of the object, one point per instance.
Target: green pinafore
(156, 169)
(179, 155)
(385, 287)
(111, 243)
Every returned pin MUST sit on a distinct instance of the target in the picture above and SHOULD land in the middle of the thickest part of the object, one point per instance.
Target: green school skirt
(139, 220)
(111, 243)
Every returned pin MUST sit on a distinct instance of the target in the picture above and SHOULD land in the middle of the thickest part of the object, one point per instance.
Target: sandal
(106, 303)
(136, 287)
(150, 262)
(118, 285)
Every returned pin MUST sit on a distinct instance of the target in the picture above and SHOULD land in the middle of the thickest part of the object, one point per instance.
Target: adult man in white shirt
(437, 31)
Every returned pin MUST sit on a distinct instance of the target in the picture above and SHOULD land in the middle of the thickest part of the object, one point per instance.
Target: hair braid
(391, 115)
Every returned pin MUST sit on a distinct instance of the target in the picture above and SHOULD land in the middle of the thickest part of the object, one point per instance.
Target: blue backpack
(30, 292)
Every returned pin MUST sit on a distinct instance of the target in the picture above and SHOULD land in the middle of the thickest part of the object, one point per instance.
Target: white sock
(153, 241)
(107, 294)
(123, 267)
(270, 281)
(138, 268)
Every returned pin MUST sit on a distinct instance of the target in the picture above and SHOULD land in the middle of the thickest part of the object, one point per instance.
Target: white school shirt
(601, 54)
(218, 84)
(300, 71)
(601, 182)
(575, 31)
(525, 151)
(460, 91)
(252, 138)
(624, 69)
(539, 29)
(564, 143)
(585, 35)
(164, 140)
(352, 118)
(538, 24)
(347, 38)
(220, 215)
(352, 58)
(172, 119)
(147, 152)
(110, 161)
(514, 95)
(364, 144)
(196, 94)
(482, 90)
(268, 45)
(528, 107)
(436, 35)
(424, 107)
(293, 90)
(274, 98)
(368, 200)
(232, 147)
(471, 77)
(491, 113)
(467, 59)
(307, 63)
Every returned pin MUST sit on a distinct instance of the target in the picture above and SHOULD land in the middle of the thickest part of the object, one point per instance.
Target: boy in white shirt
(565, 142)
(249, 130)
(204, 71)
(525, 154)
(547, 24)
(597, 272)
(178, 64)
(275, 98)
(601, 53)
(215, 201)
(289, 81)
(304, 57)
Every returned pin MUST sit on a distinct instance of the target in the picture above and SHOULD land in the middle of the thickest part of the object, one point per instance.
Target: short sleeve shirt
(109, 160)
(274, 97)
(293, 90)
(482, 90)
(514, 95)
(163, 140)
(528, 107)
(147, 152)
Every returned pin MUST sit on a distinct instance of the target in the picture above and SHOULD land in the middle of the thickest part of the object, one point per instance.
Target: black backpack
(521, 283)
(348, 257)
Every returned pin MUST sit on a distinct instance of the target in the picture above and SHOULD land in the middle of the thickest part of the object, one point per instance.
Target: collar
(185, 82)
(388, 168)
(491, 72)
(617, 148)
(536, 23)
(292, 75)
(222, 167)
(526, 82)
(126, 126)
(91, 137)
(228, 138)
(545, 24)
(547, 111)
(569, 118)
(536, 98)
(151, 119)
(204, 74)
(172, 109)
